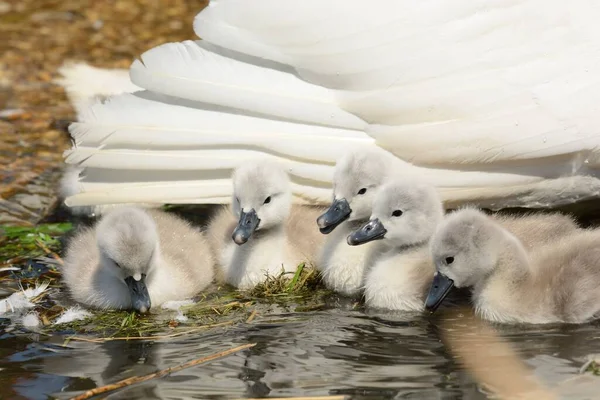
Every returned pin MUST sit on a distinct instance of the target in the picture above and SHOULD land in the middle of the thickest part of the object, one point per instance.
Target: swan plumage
(495, 103)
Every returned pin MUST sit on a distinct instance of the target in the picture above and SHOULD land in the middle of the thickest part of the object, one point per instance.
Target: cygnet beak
(338, 212)
(440, 287)
(246, 226)
(140, 299)
(373, 230)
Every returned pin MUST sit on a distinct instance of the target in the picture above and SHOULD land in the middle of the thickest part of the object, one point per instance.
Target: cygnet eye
(362, 191)
(267, 200)
(397, 213)
(449, 260)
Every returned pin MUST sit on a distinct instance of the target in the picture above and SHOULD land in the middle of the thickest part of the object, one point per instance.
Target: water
(337, 351)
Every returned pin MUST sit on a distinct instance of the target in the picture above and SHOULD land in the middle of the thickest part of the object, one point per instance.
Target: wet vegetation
(20, 243)
(592, 367)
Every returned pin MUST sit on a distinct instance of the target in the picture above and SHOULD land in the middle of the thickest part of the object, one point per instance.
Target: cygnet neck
(403, 247)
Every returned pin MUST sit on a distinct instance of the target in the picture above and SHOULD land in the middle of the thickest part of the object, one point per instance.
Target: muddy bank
(38, 36)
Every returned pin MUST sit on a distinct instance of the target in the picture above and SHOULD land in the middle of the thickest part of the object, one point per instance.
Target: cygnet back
(535, 229)
(188, 261)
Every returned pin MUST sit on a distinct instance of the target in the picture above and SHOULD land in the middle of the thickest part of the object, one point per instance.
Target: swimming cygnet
(262, 234)
(405, 215)
(357, 177)
(556, 282)
(134, 258)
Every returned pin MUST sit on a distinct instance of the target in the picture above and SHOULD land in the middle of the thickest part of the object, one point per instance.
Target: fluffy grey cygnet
(137, 259)
(405, 215)
(555, 282)
(358, 175)
(262, 233)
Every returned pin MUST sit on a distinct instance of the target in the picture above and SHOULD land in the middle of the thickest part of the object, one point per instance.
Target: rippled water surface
(332, 352)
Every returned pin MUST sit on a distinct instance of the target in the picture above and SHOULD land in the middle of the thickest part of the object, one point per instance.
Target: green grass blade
(294, 280)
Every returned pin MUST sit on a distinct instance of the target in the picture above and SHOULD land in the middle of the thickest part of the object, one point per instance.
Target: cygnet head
(128, 242)
(261, 197)
(356, 178)
(405, 213)
(465, 250)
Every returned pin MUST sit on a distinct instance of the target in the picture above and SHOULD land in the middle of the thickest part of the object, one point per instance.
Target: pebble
(42, 16)
(6, 128)
(29, 201)
(11, 113)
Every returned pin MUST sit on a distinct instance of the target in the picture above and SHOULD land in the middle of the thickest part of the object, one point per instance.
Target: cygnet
(357, 177)
(262, 234)
(137, 259)
(405, 215)
(556, 282)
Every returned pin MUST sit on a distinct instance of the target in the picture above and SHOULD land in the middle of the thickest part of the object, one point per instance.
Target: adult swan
(495, 102)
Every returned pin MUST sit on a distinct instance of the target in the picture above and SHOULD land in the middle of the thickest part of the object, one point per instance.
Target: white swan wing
(520, 77)
(84, 83)
(493, 101)
(150, 147)
(195, 70)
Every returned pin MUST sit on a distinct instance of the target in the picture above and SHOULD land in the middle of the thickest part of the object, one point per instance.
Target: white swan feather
(495, 102)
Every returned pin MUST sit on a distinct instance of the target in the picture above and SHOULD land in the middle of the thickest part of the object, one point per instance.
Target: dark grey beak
(373, 230)
(440, 287)
(140, 299)
(246, 226)
(338, 212)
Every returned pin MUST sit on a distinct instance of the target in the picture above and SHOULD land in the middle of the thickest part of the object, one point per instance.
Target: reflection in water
(492, 360)
(364, 356)
(101, 364)
(538, 362)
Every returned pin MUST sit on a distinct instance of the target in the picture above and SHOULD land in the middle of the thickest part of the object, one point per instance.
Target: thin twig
(158, 337)
(48, 251)
(251, 317)
(158, 374)
(585, 366)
